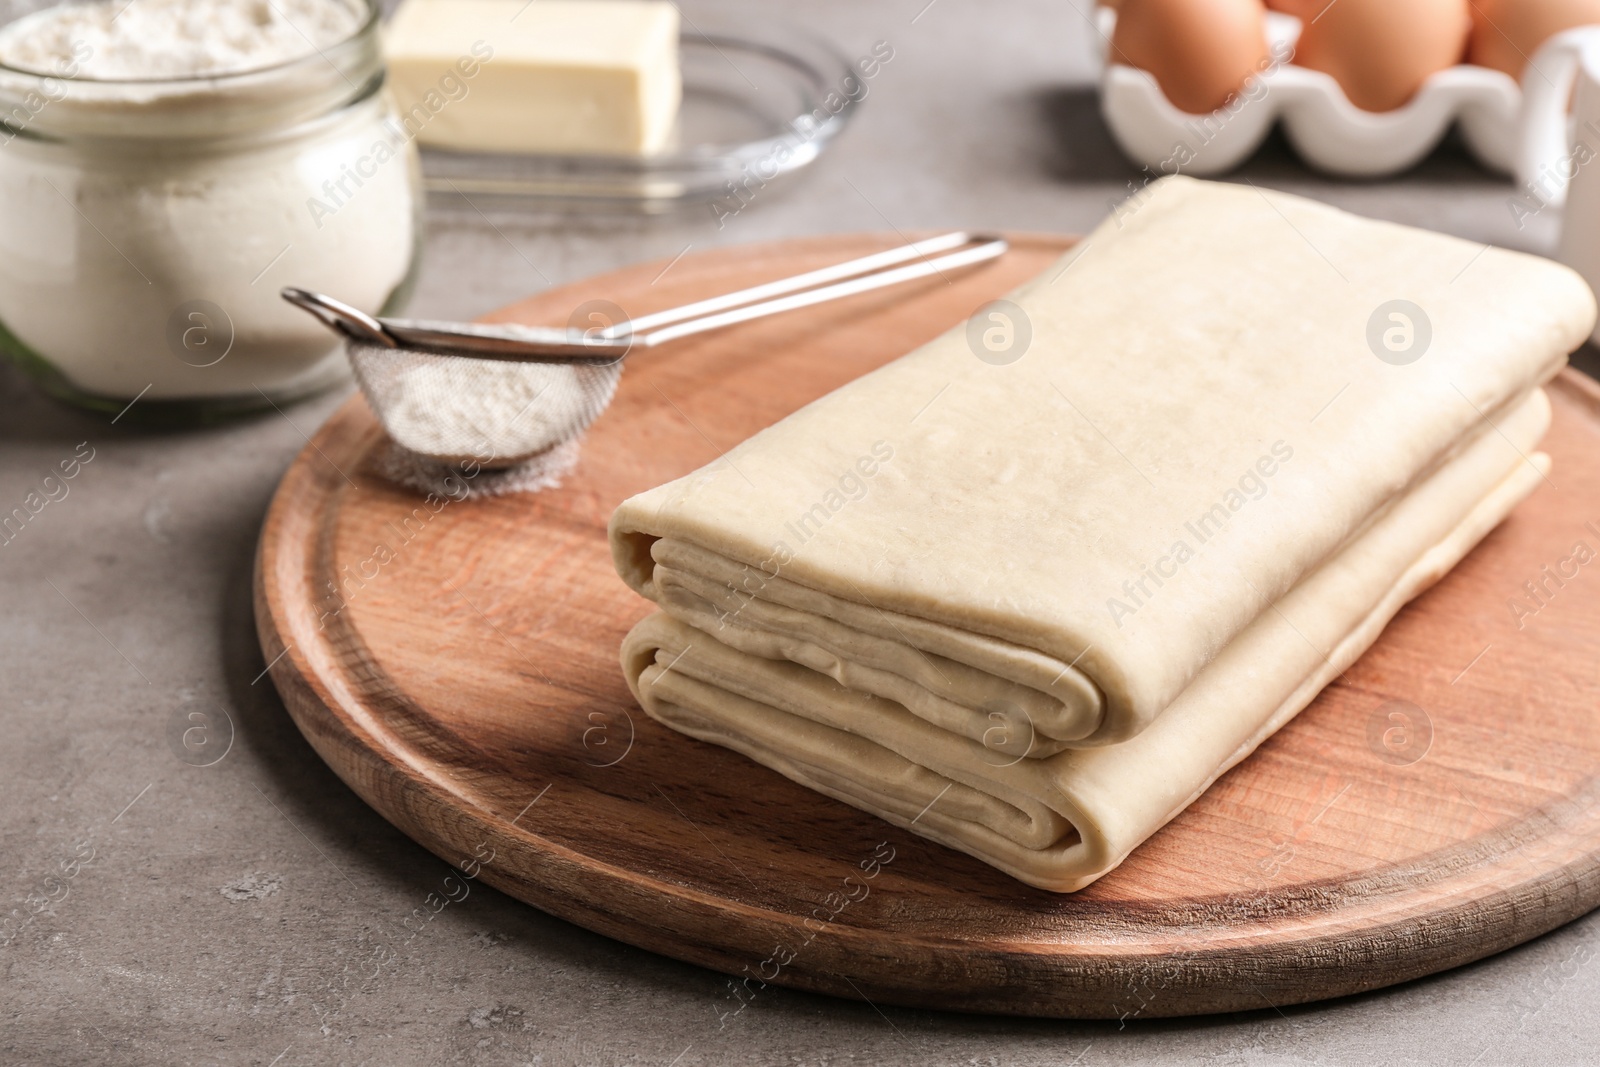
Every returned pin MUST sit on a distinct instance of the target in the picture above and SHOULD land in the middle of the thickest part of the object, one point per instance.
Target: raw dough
(1010, 542)
(1055, 598)
(1062, 822)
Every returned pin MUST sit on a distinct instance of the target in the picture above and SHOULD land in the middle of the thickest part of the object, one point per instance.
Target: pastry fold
(1200, 417)
(1046, 564)
(1059, 823)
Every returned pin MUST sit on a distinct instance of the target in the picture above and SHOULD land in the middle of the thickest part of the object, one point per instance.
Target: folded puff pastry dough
(1060, 823)
(950, 566)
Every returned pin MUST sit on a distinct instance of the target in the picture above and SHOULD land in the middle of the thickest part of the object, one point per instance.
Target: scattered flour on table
(253, 886)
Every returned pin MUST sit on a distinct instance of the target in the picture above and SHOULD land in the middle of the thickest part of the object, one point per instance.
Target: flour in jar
(143, 39)
(170, 165)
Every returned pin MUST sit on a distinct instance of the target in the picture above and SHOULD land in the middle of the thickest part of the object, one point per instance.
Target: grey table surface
(226, 911)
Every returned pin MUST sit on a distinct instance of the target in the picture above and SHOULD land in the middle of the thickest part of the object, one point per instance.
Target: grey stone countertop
(217, 921)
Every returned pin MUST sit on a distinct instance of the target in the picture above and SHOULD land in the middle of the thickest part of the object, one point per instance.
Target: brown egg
(1199, 51)
(1506, 33)
(1381, 51)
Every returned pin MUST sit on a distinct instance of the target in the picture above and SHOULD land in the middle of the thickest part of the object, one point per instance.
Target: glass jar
(146, 228)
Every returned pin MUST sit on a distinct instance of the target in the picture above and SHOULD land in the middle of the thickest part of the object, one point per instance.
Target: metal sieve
(504, 395)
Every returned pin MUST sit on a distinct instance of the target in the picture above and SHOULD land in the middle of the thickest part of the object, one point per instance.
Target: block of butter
(585, 77)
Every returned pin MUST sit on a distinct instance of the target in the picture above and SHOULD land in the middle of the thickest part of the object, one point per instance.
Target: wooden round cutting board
(456, 664)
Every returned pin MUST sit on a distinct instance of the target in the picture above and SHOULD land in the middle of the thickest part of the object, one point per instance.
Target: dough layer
(1061, 822)
(1031, 604)
(1200, 420)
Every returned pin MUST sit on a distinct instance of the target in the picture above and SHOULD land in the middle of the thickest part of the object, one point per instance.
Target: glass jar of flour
(166, 166)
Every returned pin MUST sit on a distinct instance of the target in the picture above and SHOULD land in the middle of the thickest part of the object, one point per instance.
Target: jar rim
(46, 107)
(364, 29)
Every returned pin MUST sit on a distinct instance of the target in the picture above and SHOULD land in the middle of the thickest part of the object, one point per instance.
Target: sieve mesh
(449, 409)
(465, 481)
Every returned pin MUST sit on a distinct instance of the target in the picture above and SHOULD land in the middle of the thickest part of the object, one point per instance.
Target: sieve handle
(989, 248)
(853, 268)
(534, 344)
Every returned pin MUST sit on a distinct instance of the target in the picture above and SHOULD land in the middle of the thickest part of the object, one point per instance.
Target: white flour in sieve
(514, 425)
(438, 407)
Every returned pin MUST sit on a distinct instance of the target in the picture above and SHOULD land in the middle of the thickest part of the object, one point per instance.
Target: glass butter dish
(761, 99)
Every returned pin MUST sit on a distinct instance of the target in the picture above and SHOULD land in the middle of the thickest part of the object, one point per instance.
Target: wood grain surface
(456, 664)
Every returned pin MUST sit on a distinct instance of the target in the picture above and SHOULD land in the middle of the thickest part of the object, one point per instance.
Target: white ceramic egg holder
(1325, 128)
